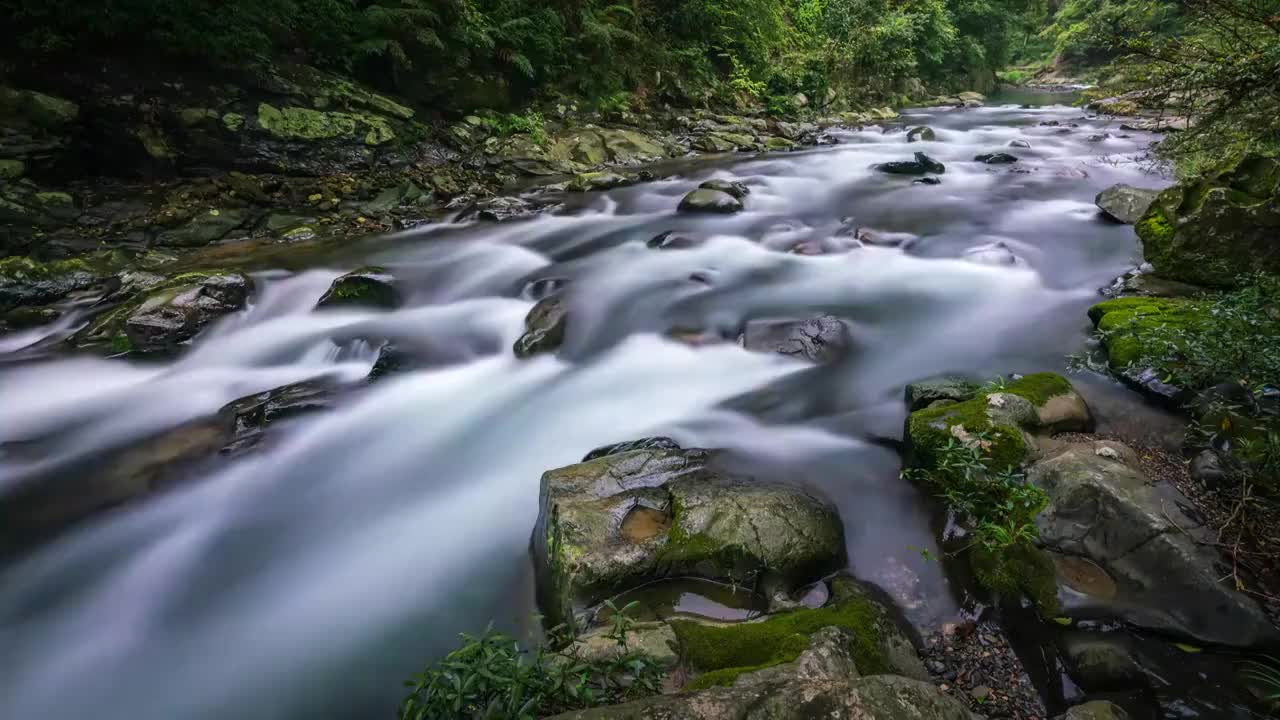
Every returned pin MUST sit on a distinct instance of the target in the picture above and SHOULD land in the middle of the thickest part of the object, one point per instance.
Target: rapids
(311, 577)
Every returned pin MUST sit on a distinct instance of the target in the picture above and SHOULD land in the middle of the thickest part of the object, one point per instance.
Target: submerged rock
(704, 200)
(174, 315)
(368, 287)
(1212, 230)
(1125, 203)
(544, 327)
(27, 282)
(1102, 507)
(996, 253)
(823, 339)
(998, 158)
(921, 165)
(923, 132)
(921, 395)
(1095, 710)
(673, 240)
(730, 187)
(629, 518)
(599, 181)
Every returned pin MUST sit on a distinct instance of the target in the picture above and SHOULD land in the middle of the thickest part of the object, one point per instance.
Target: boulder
(406, 194)
(823, 339)
(27, 282)
(1125, 203)
(999, 158)
(174, 315)
(626, 519)
(653, 443)
(1130, 327)
(822, 681)
(1101, 662)
(673, 240)
(369, 287)
(1102, 507)
(703, 200)
(599, 181)
(1095, 710)
(1019, 144)
(730, 187)
(205, 228)
(921, 165)
(949, 388)
(923, 132)
(544, 327)
(1212, 230)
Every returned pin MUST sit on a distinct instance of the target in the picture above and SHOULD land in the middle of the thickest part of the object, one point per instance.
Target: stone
(1125, 203)
(1212, 230)
(27, 282)
(502, 209)
(673, 240)
(599, 181)
(1095, 710)
(176, 314)
(1100, 663)
(1019, 144)
(927, 181)
(710, 201)
(995, 253)
(922, 394)
(405, 194)
(655, 641)
(729, 187)
(721, 526)
(1207, 469)
(256, 413)
(923, 132)
(823, 339)
(12, 170)
(1101, 507)
(368, 287)
(998, 158)
(921, 165)
(1130, 325)
(544, 327)
(205, 228)
(822, 681)
(653, 443)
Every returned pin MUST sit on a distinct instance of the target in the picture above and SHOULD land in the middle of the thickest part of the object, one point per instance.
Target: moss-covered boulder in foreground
(1131, 325)
(1212, 230)
(630, 518)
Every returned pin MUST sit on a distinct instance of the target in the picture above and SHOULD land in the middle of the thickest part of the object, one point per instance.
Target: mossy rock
(207, 227)
(40, 111)
(369, 287)
(27, 282)
(1130, 325)
(1212, 230)
(1020, 570)
(165, 315)
(545, 327)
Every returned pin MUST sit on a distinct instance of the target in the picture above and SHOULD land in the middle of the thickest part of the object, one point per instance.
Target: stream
(311, 576)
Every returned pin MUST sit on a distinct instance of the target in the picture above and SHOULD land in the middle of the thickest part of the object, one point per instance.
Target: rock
(653, 443)
(544, 327)
(1125, 203)
(26, 282)
(823, 339)
(777, 144)
(996, 253)
(255, 413)
(502, 209)
(655, 641)
(673, 240)
(172, 316)
(822, 681)
(927, 181)
(369, 287)
(1102, 507)
(710, 201)
(1129, 326)
(12, 170)
(1100, 663)
(1214, 229)
(729, 187)
(627, 519)
(205, 228)
(922, 394)
(599, 181)
(1095, 710)
(971, 96)
(1207, 469)
(923, 132)
(1098, 137)
(406, 194)
(999, 158)
(921, 165)
(1019, 144)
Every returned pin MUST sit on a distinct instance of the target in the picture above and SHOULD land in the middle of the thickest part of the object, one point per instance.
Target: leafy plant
(1266, 674)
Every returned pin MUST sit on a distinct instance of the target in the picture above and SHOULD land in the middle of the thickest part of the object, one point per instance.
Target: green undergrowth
(724, 652)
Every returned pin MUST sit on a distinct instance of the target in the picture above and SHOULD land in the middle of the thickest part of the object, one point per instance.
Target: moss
(1018, 570)
(296, 123)
(24, 268)
(1154, 228)
(1039, 387)
(190, 117)
(934, 427)
(233, 121)
(723, 652)
(12, 169)
(1130, 325)
(120, 343)
(59, 199)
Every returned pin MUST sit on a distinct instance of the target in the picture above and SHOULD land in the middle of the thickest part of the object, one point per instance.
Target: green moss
(58, 199)
(12, 169)
(1130, 325)
(24, 268)
(120, 343)
(1154, 228)
(297, 123)
(723, 652)
(1039, 387)
(934, 427)
(233, 121)
(1017, 570)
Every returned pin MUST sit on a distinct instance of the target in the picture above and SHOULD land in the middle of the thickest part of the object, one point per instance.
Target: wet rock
(1129, 325)
(1212, 230)
(996, 253)
(823, 339)
(1019, 144)
(176, 314)
(1098, 137)
(921, 165)
(921, 395)
(1125, 203)
(27, 282)
(673, 240)
(1102, 507)
(729, 187)
(921, 133)
(368, 287)
(710, 201)
(822, 681)
(653, 443)
(1101, 663)
(715, 525)
(205, 228)
(502, 209)
(1207, 469)
(254, 414)
(655, 641)
(544, 327)
(406, 194)
(927, 181)
(1095, 710)
(599, 181)
(999, 158)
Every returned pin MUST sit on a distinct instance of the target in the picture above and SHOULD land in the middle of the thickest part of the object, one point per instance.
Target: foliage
(998, 505)
(491, 677)
(530, 123)
(1266, 675)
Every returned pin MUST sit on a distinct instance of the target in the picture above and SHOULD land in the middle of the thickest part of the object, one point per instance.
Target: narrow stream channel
(311, 577)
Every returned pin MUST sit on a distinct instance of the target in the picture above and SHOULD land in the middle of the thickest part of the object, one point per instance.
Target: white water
(310, 578)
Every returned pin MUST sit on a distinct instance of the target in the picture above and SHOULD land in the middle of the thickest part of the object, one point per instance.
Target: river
(310, 577)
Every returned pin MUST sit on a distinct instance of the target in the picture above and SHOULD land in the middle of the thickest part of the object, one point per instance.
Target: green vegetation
(466, 54)
(491, 677)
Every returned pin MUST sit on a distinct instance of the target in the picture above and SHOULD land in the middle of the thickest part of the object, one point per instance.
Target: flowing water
(310, 577)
